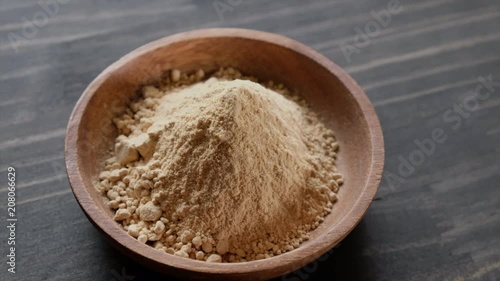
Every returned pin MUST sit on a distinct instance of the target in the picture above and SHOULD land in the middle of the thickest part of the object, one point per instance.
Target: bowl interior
(333, 95)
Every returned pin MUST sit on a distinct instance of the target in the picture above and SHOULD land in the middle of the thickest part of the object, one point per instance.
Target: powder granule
(234, 171)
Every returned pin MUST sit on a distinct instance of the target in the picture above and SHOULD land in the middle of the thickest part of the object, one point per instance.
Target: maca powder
(221, 170)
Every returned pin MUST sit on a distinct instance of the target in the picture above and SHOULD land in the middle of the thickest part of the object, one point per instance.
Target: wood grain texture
(441, 223)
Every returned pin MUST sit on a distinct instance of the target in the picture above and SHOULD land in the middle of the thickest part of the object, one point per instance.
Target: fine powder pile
(220, 170)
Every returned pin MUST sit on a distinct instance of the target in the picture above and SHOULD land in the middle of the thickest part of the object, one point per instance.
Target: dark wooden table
(436, 215)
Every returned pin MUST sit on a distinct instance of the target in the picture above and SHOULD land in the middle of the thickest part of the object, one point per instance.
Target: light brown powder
(221, 170)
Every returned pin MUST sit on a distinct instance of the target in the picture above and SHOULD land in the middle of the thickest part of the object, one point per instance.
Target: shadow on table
(344, 262)
(122, 268)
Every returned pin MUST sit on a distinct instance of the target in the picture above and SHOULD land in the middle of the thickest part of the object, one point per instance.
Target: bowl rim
(275, 266)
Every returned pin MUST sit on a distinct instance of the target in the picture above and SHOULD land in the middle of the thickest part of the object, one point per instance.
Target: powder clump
(222, 170)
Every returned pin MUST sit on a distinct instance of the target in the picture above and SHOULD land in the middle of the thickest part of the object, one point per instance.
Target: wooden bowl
(340, 102)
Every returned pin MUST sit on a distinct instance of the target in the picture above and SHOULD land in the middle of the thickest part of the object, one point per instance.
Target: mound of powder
(222, 170)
